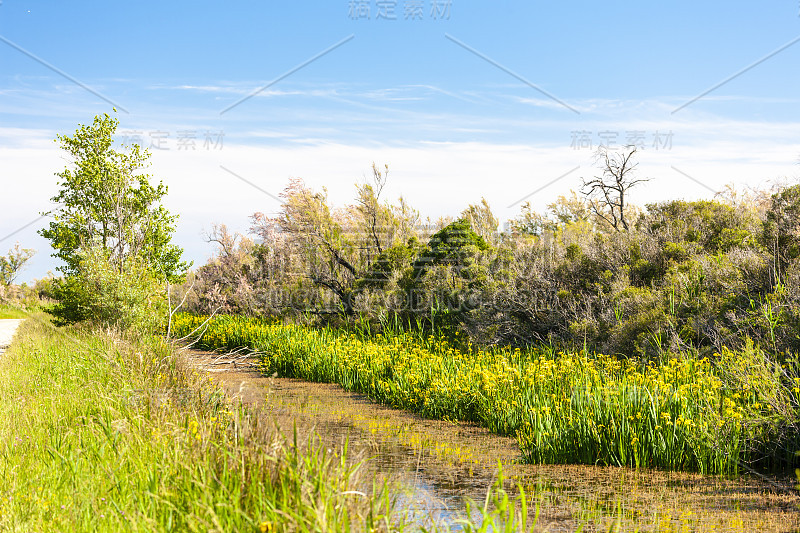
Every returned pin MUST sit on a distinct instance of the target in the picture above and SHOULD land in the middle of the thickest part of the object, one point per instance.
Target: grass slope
(97, 434)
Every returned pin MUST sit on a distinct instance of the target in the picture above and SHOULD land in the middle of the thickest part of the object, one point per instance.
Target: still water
(441, 464)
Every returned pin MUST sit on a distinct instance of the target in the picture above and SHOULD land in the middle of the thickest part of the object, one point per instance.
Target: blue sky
(437, 96)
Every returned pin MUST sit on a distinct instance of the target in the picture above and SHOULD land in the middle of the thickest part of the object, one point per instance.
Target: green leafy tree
(455, 245)
(449, 270)
(106, 199)
(109, 212)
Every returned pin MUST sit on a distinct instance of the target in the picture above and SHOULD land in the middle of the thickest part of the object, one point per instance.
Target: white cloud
(439, 178)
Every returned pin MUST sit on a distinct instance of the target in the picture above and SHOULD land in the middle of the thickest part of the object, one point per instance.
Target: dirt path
(7, 329)
(445, 461)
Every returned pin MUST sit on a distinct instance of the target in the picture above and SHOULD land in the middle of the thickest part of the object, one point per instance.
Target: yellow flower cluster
(563, 407)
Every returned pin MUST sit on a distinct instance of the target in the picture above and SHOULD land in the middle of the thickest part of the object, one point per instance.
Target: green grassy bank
(98, 434)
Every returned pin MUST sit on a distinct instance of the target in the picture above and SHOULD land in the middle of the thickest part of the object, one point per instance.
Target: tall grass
(97, 434)
(685, 413)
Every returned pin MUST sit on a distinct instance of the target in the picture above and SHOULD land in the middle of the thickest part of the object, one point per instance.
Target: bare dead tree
(607, 193)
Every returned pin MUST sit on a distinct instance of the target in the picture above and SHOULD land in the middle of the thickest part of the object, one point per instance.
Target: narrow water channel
(441, 463)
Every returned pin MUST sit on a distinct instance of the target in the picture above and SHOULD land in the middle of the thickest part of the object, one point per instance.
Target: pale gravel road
(7, 329)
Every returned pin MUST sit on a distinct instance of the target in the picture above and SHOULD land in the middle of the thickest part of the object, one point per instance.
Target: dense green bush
(128, 296)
